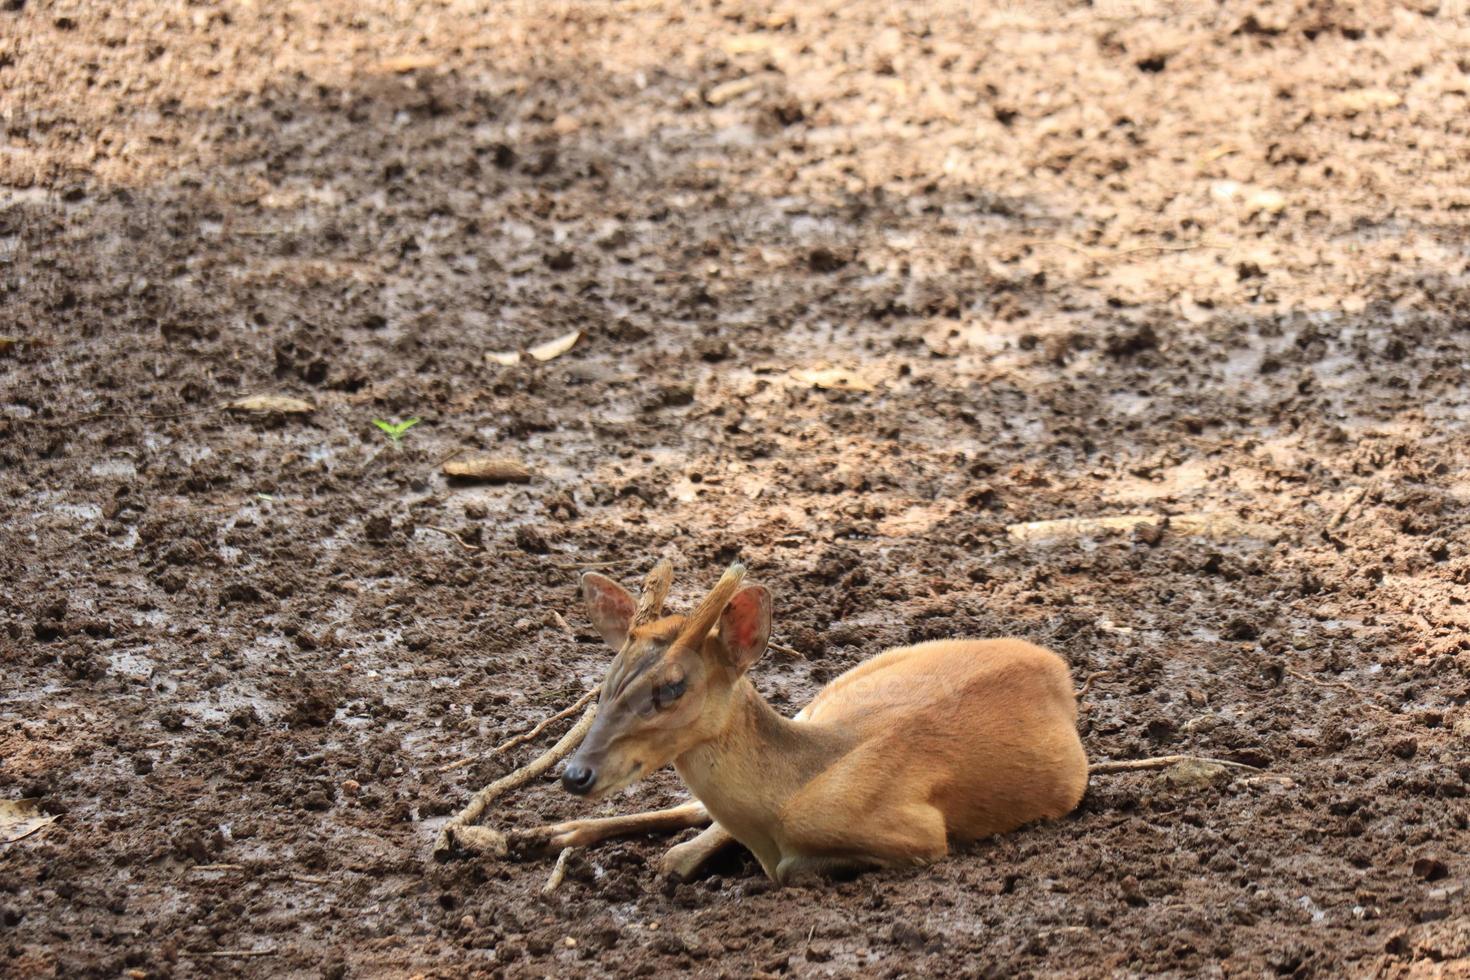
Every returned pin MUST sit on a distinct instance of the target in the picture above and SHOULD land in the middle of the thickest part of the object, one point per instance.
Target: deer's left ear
(609, 606)
(745, 626)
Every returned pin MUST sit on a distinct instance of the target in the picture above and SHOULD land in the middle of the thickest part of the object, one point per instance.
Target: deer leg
(683, 861)
(903, 836)
(580, 833)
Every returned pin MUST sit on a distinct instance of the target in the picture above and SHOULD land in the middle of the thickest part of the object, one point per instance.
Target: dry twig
(1087, 684)
(583, 566)
(787, 651)
(1099, 254)
(460, 830)
(445, 531)
(1161, 762)
(1339, 685)
(558, 872)
(525, 736)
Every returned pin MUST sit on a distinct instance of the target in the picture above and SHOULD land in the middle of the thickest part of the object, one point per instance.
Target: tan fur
(950, 740)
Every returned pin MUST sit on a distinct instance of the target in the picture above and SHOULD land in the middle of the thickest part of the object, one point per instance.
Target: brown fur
(955, 739)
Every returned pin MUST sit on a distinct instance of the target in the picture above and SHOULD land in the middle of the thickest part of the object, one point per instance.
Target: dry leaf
(496, 469)
(405, 63)
(557, 347)
(273, 403)
(505, 358)
(834, 379)
(21, 818)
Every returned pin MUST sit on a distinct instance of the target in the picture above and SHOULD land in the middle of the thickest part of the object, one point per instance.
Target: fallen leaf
(273, 403)
(21, 818)
(834, 379)
(405, 63)
(505, 358)
(496, 469)
(555, 348)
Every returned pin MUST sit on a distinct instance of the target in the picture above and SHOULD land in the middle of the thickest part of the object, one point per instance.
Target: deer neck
(759, 760)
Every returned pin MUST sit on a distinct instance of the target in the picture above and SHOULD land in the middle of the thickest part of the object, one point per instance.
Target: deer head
(669, 687)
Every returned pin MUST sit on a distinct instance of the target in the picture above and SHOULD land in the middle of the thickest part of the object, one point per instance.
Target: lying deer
(954, 739)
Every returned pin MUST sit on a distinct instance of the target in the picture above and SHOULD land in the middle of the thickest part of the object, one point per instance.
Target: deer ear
(745, 626)
(609, 606)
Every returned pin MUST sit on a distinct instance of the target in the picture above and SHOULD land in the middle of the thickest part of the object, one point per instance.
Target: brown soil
(1090, 259)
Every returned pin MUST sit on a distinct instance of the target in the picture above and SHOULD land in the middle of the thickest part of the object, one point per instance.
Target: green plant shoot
(395, 430)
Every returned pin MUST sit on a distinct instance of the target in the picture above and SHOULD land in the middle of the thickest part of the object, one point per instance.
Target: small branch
(457, 764)
(1087, 684)
(527, 736)
(1099, 254)
(233, 953)
(1161, 762)
(787, 651)
(566, 712)
(311, 880)
(460, 827)
(218, 867)
(558, 872)
(444, 530)
(1339, 685)
(580, 566)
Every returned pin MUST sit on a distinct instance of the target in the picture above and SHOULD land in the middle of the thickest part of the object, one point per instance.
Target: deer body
(919, 745)
(951, 740)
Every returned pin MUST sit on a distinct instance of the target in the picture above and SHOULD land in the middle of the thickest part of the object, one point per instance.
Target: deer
(918, 746)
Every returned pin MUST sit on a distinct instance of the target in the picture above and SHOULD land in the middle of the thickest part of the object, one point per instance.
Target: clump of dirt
(860, 289)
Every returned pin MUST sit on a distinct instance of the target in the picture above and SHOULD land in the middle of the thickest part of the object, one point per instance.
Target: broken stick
(461, 831)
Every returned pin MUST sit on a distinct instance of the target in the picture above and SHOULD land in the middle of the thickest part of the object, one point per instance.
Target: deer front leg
(895, 837)
(580, 833)
(683, 861)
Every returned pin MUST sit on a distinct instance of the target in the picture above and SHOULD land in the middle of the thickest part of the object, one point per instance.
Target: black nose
(578, 778)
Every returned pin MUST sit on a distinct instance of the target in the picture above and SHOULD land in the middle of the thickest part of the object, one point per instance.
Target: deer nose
(578, 779)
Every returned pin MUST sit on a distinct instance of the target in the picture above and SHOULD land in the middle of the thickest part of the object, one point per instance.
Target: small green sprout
(395, 430)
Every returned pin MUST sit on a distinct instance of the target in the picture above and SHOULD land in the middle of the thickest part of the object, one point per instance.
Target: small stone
(351, 787)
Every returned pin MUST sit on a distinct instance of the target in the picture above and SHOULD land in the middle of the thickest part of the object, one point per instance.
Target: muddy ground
(1069, 260)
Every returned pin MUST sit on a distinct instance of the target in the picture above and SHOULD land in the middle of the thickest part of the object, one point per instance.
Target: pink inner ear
(743, 619)
(610, 607)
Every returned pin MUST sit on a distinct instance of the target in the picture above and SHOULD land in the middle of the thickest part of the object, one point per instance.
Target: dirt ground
(1062, 260)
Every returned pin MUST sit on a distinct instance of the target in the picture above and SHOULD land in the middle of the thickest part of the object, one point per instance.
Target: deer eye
(671, 690)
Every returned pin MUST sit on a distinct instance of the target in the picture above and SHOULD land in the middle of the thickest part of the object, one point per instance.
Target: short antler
(707, 613)
(655, 590)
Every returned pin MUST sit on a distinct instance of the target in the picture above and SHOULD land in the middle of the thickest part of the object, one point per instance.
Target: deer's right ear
(609, 606)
